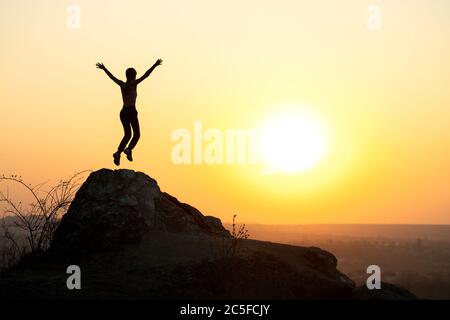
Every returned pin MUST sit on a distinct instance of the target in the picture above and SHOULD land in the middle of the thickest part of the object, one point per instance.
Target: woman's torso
(129, 94)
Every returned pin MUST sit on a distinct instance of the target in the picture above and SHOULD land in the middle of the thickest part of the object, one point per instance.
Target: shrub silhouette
(38, 220)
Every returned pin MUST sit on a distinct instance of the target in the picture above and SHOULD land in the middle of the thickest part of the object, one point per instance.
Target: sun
(292, 143)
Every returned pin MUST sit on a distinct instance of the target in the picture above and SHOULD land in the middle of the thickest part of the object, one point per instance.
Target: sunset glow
(369, 102)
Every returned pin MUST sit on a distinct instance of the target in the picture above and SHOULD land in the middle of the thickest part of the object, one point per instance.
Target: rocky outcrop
(118, 207)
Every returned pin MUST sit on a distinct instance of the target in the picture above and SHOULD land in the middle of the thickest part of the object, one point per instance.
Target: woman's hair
(130, 73)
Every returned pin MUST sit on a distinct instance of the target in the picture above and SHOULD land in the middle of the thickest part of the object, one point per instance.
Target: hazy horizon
(290, 233)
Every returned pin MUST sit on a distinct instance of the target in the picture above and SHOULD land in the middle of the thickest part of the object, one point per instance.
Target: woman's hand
(158, 62)
(100, 66)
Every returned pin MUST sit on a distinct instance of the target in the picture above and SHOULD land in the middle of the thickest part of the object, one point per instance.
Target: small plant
(241, 233)
(231, 247)
(222, 272)
(36, 221)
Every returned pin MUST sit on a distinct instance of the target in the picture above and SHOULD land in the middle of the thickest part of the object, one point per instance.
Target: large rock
(118, 207)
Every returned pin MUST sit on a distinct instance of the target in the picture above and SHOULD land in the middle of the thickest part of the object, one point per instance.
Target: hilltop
(133, 241)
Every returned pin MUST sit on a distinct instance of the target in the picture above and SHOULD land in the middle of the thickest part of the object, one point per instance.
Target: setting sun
(293, 143)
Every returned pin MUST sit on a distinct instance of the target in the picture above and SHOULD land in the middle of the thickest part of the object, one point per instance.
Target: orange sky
(382, 95)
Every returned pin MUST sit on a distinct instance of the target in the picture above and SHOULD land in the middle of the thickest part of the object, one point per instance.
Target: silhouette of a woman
(128, 114)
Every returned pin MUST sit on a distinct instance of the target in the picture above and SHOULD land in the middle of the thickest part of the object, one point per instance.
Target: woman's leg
(126, 123)
(136, 131)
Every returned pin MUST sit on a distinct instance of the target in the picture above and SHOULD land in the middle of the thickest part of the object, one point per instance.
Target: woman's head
(131, 74)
